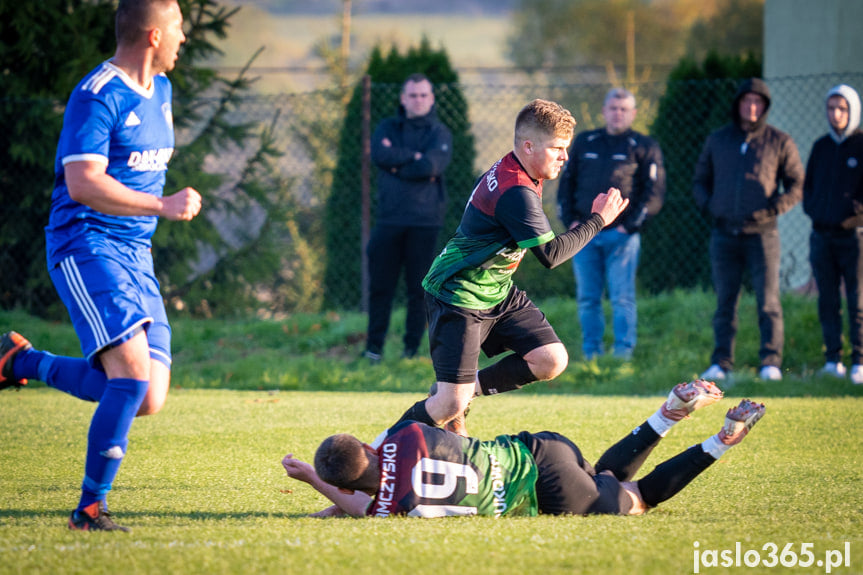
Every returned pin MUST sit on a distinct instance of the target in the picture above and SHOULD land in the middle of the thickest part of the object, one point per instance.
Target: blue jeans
(611, 257)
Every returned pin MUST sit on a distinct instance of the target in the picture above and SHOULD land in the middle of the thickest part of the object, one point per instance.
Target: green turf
(203, 490)
(314, 352)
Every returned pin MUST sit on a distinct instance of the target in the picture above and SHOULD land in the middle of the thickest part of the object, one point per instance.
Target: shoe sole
(708, 394)
(736, 429)
(20, 343)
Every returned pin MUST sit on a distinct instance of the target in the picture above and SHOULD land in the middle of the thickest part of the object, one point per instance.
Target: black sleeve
(561, 248)
(389, 158)
(436, 156)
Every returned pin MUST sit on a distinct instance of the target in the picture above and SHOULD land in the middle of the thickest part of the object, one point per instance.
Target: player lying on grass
(424, 471)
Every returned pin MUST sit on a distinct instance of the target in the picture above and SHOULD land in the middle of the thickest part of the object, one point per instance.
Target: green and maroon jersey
(503, 219)
(429, 472)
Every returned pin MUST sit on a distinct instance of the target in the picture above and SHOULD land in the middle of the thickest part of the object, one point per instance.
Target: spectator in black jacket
(411, 150)
(833, 198)
(615, 156)
(737, 183)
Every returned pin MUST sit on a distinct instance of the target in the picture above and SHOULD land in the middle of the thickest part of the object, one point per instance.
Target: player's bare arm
(90, 184)
(353, 503)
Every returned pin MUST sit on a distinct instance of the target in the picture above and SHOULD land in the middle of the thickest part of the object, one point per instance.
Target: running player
(110, 169)
(471, 301)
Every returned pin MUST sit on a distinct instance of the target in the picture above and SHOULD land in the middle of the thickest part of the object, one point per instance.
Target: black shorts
(457, 334)
(567, 483)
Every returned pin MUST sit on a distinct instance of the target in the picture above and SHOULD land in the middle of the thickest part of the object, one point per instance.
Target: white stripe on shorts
(82, 298)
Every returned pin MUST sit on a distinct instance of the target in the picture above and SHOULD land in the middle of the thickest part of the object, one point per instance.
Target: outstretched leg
(20, 362)
(669, 477)
(626, 457)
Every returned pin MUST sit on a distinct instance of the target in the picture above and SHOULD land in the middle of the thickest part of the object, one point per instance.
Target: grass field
(203, 490)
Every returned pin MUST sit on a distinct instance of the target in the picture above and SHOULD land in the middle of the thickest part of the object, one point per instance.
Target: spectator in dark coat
(737, 182)
(833, 198)
(411, 151)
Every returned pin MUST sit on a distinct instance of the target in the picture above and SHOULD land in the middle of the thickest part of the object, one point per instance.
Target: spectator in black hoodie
(737, 183)
(833, 198)
(411, 151)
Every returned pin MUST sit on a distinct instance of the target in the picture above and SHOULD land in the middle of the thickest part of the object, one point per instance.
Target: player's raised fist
(182, 206)
(609, 205)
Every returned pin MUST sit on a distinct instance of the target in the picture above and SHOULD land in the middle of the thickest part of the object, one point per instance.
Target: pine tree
(343, 213)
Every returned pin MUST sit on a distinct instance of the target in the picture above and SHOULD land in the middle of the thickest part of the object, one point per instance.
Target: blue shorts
(110, 296)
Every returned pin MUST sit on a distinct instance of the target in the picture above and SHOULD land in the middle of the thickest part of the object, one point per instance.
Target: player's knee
(445, 405)
(151, 405)
(157, 393)
(550, 363)
(452, 406)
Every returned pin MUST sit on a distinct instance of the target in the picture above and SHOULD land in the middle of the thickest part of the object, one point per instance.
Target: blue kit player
(117, 139)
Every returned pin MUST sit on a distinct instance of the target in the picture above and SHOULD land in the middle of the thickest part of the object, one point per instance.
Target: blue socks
(109, 436)
(73, 375)
(119, 400)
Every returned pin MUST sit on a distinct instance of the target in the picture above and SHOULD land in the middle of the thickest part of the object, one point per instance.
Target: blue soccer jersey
(111, 119)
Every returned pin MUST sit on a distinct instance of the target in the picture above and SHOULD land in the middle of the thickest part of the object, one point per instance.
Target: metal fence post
(366, 186)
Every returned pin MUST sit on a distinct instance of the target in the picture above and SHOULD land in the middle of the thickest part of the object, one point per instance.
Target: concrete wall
(809, 46)
(803, 37)
(819, 39)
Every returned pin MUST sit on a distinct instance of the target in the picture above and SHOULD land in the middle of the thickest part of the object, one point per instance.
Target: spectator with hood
(833, 198)
(737, 183)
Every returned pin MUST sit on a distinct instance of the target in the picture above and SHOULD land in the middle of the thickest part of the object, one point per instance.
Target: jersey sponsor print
(429, 472)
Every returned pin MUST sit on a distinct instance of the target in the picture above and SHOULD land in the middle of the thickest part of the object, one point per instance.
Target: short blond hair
(546, 118)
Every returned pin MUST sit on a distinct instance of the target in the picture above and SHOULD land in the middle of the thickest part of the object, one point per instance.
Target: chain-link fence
(310, 131)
